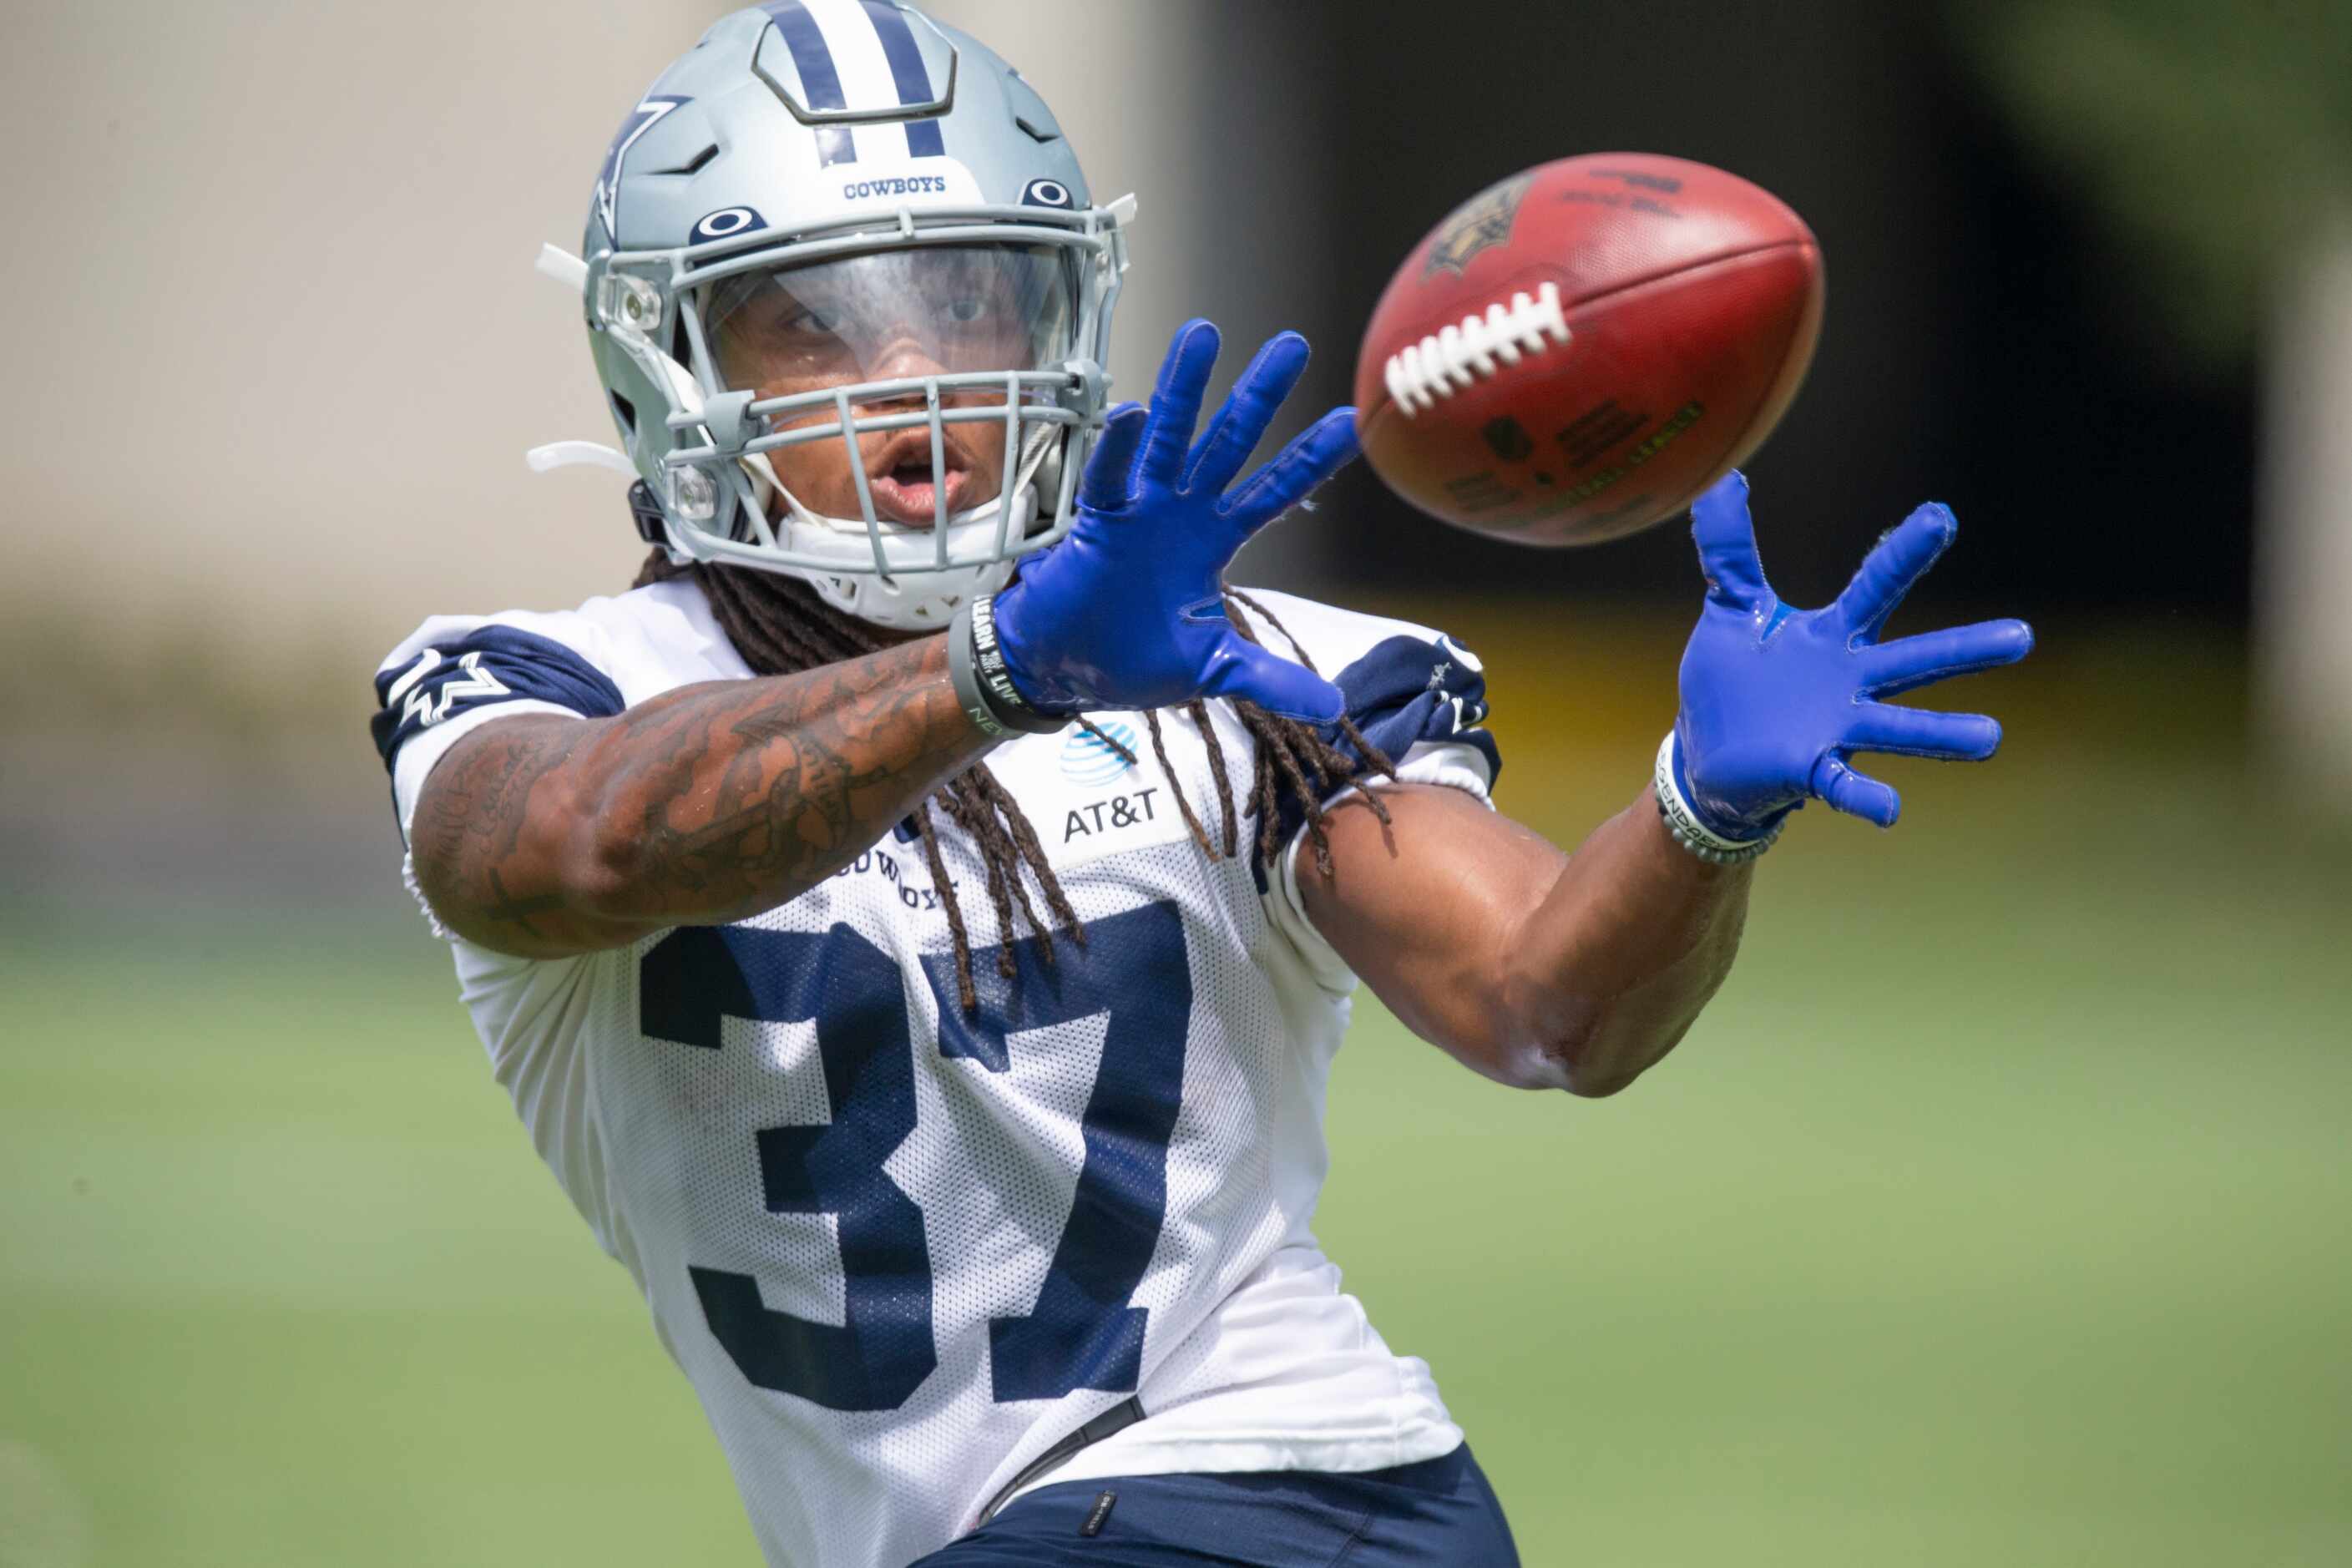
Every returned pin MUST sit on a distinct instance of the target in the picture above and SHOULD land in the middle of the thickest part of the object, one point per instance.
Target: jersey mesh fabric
(899, 1251)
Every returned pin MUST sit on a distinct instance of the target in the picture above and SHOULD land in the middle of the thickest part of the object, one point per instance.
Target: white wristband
(1683, 825)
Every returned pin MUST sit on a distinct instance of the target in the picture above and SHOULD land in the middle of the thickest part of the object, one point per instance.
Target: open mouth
(904, 487)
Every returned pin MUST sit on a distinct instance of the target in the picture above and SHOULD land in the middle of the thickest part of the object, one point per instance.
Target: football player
(916, 921)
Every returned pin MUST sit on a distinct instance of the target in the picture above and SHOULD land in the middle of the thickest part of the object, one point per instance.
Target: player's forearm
(1609, 972)
(703, 805)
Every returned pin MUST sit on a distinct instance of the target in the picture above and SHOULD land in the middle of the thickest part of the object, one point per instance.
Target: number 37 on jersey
(1081, 1331)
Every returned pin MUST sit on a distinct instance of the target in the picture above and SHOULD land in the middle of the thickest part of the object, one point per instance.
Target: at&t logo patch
(1087, 763)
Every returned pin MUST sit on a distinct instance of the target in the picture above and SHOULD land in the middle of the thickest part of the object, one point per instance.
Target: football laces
(1453, 358)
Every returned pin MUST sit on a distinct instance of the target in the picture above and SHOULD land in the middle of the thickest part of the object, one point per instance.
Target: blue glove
(1127, 610)
(1775, 698)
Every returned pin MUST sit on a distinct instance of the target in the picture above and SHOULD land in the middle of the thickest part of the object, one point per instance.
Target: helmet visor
(925, 311)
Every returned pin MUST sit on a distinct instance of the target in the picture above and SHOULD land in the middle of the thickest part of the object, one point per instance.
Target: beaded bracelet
(1682, 823)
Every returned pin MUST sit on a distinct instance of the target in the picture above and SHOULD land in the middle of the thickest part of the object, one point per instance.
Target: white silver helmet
(838, 221)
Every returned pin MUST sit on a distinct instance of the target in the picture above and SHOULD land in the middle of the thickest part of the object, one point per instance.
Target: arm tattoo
(539, 836)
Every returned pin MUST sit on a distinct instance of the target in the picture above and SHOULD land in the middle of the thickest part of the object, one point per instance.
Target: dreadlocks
(780, 627)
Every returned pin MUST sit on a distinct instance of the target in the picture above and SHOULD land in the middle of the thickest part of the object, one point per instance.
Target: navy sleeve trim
(488, 665)
(1404, 691)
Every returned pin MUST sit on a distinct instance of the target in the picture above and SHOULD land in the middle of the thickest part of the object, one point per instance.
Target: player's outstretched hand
(1775, 698)
(1127, 611)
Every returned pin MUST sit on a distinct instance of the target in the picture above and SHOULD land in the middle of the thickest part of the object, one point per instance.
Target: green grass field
(1995, 1215)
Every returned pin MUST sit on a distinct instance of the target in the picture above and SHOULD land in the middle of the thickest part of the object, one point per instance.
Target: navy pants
(1439, 1511)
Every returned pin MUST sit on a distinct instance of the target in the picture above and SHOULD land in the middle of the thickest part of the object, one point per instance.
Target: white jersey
(902, 1250)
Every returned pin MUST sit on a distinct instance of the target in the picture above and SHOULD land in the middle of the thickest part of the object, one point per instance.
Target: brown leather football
(1576, 353)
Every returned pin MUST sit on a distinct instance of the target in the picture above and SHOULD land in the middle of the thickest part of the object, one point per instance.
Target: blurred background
(1995, 1212)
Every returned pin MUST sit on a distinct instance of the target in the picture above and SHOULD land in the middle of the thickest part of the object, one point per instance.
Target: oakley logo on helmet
(725, 222)
(642, 119)
(1047, 194)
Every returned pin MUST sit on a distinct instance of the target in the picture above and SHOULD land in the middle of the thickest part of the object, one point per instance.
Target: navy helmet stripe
(924, 140)
(835, 144)
(907, 70)
(813, 57)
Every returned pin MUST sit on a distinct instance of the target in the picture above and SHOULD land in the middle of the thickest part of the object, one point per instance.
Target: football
(1576, 353)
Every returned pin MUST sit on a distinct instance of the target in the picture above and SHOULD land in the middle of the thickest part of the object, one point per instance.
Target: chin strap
(646, 513)
(561, 267)
(566, 269)
(579, 455)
